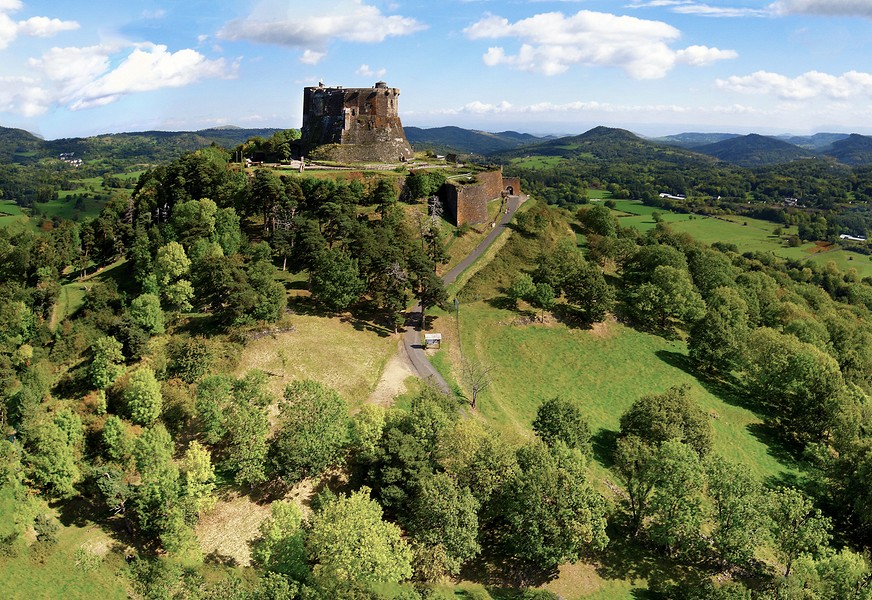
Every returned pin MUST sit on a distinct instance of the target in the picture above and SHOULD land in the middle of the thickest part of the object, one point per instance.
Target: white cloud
(45, 27)
(312, 28)
(34, 26)
(364, 70)
(552, 42)
(830, 8)
(812, 84)
(310, 57)
(690, 7)
(573, 108)
(79, 78)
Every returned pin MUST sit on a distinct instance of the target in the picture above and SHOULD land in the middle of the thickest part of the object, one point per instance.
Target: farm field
(750, 235)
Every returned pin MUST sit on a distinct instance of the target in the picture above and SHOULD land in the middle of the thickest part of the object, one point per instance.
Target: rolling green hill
(856, 149)
(754, 151)
(465, 141)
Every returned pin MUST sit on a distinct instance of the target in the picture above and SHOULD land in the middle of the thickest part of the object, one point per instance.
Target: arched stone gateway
(510, 190)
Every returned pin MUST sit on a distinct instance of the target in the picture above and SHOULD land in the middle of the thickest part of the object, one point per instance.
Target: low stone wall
(467, 202)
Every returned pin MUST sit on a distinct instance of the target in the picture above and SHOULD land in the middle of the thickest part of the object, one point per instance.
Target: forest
(129, 413)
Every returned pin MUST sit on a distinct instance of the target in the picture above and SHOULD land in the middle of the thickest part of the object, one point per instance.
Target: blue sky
(540, 66)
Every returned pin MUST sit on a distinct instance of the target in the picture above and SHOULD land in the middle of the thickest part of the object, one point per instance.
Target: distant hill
(691, 140)
(855, 149)
(465, 141)
(816, 143)
(754, 151)
(609, 144)
(17, 145)
(20, 146)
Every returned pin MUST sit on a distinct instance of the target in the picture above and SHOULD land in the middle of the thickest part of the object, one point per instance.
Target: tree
(635, 466)
(313, 426)
(444, 515)
(796, 526)
(107, 363)
(348, 540)
(667, 298)
(717, 341)
(549, 513)
(559, 420)
(52, 448)
(588, 289)
(476, 377)
(739, 513)
(117, 440)
(598, 219)
(198, 478)
(171, 266)
(676, 504)
(280, 548)
(522, 288)
(142, 397)
(672, 415)
(336, 279)
(145, 311)
(543, 298)
(800, 382)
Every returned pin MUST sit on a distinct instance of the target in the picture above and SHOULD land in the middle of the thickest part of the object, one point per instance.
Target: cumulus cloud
(812, 84)
(79, 78)
(552, 42)
(829, 8)
(365, 71)
(312, 28)
(34, 26)
(310, 57)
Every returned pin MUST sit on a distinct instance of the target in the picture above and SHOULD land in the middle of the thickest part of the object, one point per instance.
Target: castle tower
(353, 124)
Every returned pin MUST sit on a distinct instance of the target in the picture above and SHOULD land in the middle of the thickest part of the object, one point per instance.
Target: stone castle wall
(354, 124)
(467, 203)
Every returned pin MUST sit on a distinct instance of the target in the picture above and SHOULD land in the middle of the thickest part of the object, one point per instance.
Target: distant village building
(672, 196)
(852, 238)
(352, 125)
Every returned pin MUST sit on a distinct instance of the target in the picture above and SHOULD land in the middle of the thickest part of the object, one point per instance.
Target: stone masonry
(353, 124)
(465, 201)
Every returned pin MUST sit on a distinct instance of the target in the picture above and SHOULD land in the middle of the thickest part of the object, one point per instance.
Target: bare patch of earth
(393, 378)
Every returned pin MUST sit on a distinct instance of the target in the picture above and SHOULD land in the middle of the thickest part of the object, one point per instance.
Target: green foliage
(598, 219)
(145, 311)
(336, 280)
(198, 478)
(676, 504)
(53, 445)
(717, 341)
(313, 429)
(117, 440)
(672, 415)
(349, 540)
(142, 396)
(548, 513)
(522, 288)
(280, 548)
(559, 420)
(107, 363)
(796, 526)
(444, 515)
(800, 382)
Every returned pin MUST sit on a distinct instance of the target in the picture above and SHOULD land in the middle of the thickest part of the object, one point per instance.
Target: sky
(654, 67)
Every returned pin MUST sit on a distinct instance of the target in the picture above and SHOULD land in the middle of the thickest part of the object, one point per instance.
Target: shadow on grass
(603, 443)
(362, 317)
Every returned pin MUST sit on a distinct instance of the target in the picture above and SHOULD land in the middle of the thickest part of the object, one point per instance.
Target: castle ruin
(465, 200)
(353, 124)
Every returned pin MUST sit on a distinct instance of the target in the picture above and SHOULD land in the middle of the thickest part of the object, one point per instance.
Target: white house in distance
(852, 238)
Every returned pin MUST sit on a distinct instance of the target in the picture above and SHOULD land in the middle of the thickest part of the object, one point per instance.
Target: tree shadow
(725, 388)
(218, 559)
(603, 443)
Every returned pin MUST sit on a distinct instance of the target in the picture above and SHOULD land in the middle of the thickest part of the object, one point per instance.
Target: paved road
(412, 343)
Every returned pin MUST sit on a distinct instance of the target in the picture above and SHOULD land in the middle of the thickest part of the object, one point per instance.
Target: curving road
(412, 342)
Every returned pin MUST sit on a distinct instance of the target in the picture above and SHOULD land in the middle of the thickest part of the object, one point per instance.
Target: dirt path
(393, 378)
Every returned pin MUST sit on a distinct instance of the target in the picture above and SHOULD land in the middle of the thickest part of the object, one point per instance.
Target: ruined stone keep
(353, 124)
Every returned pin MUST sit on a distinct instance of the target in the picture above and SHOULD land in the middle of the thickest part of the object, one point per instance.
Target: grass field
(749, 235)
(57, 574)
(342, 352)
(11, 214)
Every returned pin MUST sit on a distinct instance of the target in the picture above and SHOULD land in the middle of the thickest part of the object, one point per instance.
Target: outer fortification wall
(353, 124)
(467, 202)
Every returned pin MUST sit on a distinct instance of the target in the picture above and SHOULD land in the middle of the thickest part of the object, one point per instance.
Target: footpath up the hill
(412, 342)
